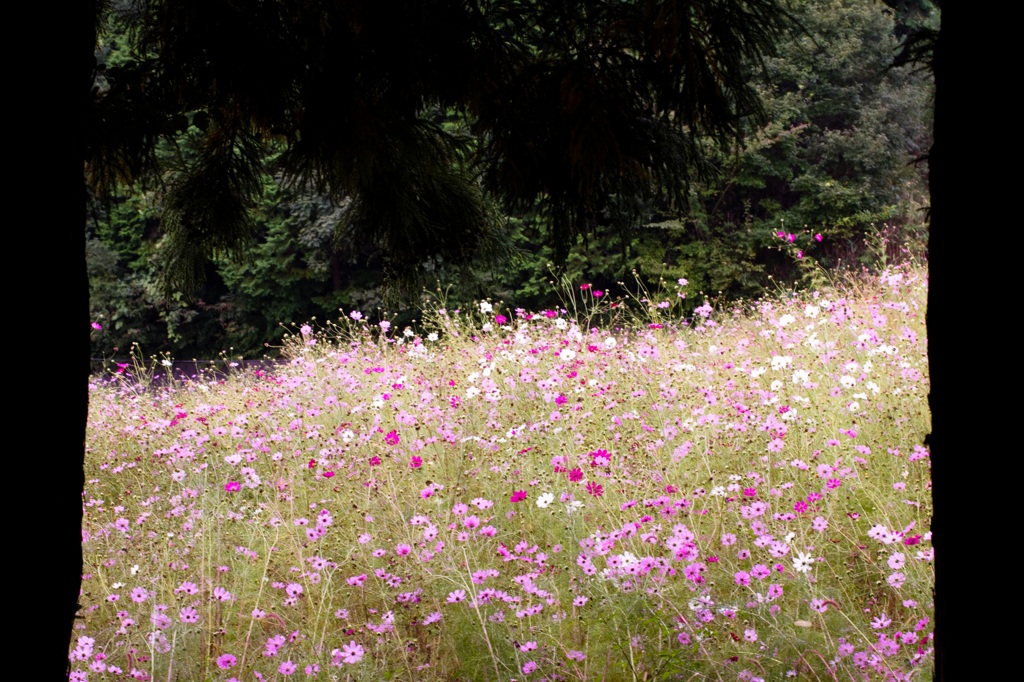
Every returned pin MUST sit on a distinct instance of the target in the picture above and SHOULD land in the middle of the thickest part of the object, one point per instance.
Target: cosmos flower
(802, 563)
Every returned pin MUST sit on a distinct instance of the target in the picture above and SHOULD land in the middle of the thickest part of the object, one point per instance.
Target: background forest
(835, 178)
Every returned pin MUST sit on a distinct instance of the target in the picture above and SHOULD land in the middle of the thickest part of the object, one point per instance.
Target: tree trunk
(968, 358)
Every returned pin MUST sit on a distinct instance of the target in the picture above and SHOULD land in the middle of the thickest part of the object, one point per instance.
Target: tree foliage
(575, 108)
(563, 136)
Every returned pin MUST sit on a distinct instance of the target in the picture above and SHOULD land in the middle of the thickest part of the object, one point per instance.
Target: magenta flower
(518, 496)
(595, 489)
(500, 319)
(576, 475)
(233, 486)
(415, 462)
(392, 438)
(226, 661)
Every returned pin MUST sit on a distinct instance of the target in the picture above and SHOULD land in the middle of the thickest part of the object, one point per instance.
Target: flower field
(512, 496)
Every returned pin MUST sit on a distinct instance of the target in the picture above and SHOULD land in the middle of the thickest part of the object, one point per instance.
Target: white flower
(432, 336)
(486, 307)
(610, 342)
(781, 361)
(786, 319)
(847, 381)
(561, 324)
(811, 311)
(544, 500)
(802, 562)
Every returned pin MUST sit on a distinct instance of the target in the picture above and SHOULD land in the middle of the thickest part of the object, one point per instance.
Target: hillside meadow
(603, 491)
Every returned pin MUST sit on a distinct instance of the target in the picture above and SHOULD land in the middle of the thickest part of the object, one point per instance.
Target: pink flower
(350, 653)
(880, 622)
(232, 486)
(287, 668)
(392, 438)
(817, 237)
(575, 475)
(226, 661)
(595, 489)
(415, 462)
(896, 580)
(500, 319)
(518, 496)
(598, 293)
(97, 326)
